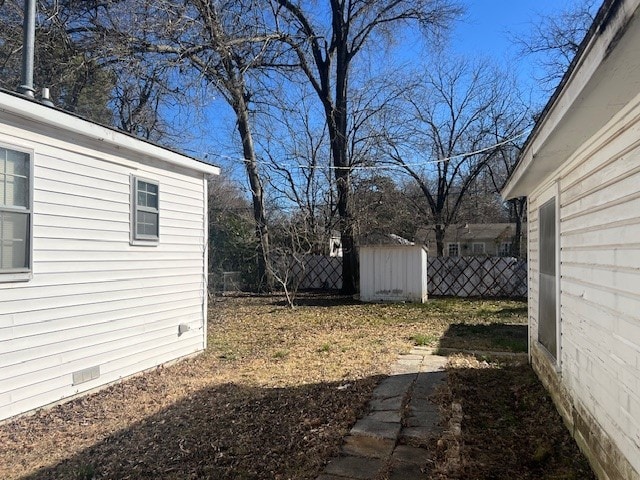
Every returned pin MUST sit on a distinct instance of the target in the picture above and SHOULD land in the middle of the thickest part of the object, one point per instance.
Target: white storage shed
(580, 170)
(393, 273)
(103, 255)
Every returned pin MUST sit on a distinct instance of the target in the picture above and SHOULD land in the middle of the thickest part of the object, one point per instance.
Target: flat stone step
(359, 468)
(371, 427)
(370, 447)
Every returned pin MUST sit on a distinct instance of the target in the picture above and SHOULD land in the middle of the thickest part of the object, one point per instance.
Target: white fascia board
(564, 123)
(34, 111)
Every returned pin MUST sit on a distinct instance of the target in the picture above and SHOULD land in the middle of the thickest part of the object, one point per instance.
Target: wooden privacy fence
(477, 276)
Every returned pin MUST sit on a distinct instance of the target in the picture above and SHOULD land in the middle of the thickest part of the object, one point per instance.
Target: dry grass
(271, 398)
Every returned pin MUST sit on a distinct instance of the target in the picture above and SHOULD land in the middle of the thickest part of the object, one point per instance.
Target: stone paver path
(401, 420)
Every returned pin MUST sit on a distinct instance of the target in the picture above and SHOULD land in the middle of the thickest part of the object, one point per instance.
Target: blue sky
(487, 23)
(489, 27)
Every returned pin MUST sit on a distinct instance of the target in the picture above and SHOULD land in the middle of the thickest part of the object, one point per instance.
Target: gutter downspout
(28, 48)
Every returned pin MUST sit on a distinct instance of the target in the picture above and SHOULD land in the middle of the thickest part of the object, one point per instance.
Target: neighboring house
(472, 239)
(580, 170)
(102, 255)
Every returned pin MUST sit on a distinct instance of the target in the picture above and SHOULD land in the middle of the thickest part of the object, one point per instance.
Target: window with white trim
(16, 178)
(453, 249)
(146, 211)
(478, 248)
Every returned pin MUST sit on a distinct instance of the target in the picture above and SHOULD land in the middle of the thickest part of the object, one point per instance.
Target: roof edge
(14, 103)
(603, 17)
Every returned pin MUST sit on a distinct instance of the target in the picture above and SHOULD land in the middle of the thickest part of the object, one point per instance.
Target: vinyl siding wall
(94, 299)
(600, 285)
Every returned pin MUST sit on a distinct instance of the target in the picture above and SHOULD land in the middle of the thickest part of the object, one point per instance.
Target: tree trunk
(339, 147)
(439, 239)
(349, 254)
(519, 208)
(257, 196)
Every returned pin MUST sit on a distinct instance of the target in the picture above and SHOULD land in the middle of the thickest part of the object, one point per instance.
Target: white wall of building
(94, 299)
(599, 225)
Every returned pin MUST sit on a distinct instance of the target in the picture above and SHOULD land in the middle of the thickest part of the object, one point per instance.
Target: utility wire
(386, 166)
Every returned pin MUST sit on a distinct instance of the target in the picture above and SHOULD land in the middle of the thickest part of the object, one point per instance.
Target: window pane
(14, 178)
(14, 240)
(14, 191)
(17, 163)
(147, 224)
(147, 194)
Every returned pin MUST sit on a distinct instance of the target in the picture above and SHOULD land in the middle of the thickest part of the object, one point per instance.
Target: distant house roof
(469, 232)
(34, 111)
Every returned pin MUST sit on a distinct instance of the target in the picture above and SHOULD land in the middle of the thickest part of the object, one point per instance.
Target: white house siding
(600, 283)
(94, 299)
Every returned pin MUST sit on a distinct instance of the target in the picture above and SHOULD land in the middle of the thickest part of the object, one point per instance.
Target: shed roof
(602, 78)
(37, 112)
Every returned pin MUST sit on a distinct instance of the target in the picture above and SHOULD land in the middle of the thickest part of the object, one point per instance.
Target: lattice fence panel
(489, 277)
(319, 272)
(477, 276)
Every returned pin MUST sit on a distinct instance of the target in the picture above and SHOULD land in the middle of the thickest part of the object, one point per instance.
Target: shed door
(547, 319)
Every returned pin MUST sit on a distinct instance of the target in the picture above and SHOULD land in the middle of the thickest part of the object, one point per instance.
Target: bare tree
(383, 207)
(86, 72)
(64, 62)
(325, 47)
(555, 39)
(232, 240)
(499, 171)
(219, 44)
(448, 129)
(291, 251)
(295, 144)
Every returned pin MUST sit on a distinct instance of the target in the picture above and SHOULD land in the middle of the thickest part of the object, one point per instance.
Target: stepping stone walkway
(390, 439)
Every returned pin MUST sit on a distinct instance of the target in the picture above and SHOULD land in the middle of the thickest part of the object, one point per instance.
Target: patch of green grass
(325, 347)
(472, 308)
(492, 337)
(83, 471)
(280, 354)
(423, 340)
(511, 344)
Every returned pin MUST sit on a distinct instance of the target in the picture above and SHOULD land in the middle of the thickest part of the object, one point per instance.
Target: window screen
(547, 321)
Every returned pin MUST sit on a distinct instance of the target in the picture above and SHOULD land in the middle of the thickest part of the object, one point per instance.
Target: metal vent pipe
(28, 48)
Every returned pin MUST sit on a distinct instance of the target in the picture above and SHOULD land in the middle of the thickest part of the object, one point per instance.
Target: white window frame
(22, 274)
(138, 239)
(449, 245)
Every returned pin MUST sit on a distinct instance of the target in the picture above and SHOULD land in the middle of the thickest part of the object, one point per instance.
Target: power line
(379, 167)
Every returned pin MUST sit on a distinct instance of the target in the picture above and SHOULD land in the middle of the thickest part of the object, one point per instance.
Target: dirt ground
(277, 389)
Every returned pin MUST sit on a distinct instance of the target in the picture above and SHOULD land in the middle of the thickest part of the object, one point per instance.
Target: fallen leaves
(271, 398)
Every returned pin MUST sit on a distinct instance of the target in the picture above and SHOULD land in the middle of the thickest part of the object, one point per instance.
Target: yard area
(277, 389)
